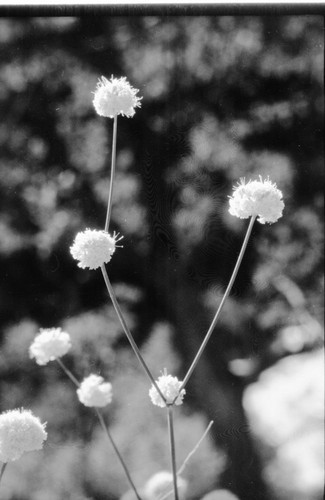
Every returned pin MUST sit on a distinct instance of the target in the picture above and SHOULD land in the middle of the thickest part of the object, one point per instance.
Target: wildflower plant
(259, 200)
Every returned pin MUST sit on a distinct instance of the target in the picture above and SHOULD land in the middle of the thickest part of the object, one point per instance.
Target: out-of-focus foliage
(223, 97)
(291, 394)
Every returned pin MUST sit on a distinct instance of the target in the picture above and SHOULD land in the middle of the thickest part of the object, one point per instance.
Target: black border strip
(162, 9)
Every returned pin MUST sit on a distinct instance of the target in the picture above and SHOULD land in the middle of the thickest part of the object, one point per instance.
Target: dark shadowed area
(224, 97)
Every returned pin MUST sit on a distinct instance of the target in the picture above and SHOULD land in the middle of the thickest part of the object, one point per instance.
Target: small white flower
(93, 248)
(20, 431)
(257, 198)
(49, 344)
(115, 97)
(169, 386)
(162, 482)
(93, 391)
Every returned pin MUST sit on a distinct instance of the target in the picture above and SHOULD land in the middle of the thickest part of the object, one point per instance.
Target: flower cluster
(115, 97)
(20, 431)
(93, 391)
(169, 387)
(257, 198)
(93, 248)
(50, 344)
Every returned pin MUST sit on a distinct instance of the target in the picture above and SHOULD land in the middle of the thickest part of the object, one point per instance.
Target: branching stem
(104, 427)
(128, 333)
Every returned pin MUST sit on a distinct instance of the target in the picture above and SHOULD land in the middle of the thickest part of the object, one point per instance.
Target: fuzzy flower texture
(20, 431)
(93, 248)
(115, 97)
(93, 391)
(50, 344)
(169, 387)
(257, 198)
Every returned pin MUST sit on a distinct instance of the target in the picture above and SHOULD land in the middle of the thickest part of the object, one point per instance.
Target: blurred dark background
(224, 97)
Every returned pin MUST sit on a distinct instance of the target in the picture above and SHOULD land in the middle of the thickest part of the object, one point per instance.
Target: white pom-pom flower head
(49, 344)
(95, 392)
(261, 199)
(169, 386)
(115, 97)
(94, 248)
(20, 432)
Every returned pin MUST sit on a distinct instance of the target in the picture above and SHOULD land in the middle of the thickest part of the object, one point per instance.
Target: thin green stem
(68, 372)
(172, 447)
(111, 184)
(128, 333)
(216, 317)
(3, 468)
(109, 436)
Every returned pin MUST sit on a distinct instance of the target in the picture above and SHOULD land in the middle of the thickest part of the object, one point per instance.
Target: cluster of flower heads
(259, 199)
(115, 97)
(170, 388)
(49, 344)
(20, 431)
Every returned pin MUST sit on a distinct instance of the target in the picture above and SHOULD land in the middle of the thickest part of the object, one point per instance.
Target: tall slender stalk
(111, 184)
(3, 468)
(128, 333)
(105, 275)
(104, 427)
(172, 447)
(216, 317)
(109, 436)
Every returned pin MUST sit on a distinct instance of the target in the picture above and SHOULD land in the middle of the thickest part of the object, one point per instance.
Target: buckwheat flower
(115, 97)
(93, 248)
(160, 483)
(20, 431)
(257, 198)
(93, 391)
(49, 344)
(169, 387)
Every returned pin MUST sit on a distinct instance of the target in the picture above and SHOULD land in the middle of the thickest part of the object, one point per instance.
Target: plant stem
(172, 447)
(128, 333)
(108, 434)
(3, 468)
(68, 372)
(104, 426)
(216, 317)
(113, 163)
(180, 470)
